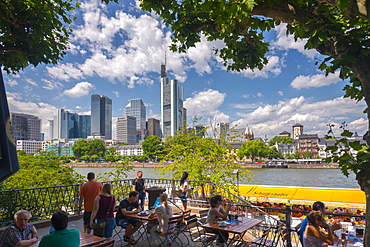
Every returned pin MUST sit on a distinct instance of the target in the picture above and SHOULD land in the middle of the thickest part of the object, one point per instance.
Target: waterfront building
(153, 127)
(137, 109)
(29, 146)
(61, 147)
(297, 130)
(66, 125)
(126, 130)
(286, 148)
(101, 116)
(141, 135)
(130, 150)
(284, 133)
(173, 114)
(222, 129)
(25, 126)
(248, 134)
(308, 143)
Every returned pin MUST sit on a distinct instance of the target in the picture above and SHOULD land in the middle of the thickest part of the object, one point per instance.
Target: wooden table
(239, 228)
(85, 240)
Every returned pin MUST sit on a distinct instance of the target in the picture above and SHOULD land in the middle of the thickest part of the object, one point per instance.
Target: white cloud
(318, 80)
(204, 103)
(116, 93)
(31, 82)
(272, 68)
(272, 119)
(259, 95)
(11, 82)
(280, 93)
(286, 42)
(65, 72)
(51, 85)
(79, 90)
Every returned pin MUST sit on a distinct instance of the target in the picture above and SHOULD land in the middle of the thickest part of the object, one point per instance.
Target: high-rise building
(126, 130)
(222, 129)
(136, 108)
(26, 126)
(153, 127)
(101, 116)
(173, 114)
(66, 125)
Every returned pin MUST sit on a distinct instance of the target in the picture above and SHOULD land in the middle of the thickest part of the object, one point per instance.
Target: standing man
(19, 233)
(127, 207)
(138, 185)
(88, 193)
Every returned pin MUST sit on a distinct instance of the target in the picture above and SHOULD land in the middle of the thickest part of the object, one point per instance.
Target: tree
(152, 147)
(307, 155)
(40, 171)
(337, 29)
(93, 147)
(280, 139)
(274, 153)
(253, 149)
(204, 159)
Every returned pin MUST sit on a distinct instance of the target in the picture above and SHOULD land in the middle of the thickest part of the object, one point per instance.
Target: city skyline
(116, 50)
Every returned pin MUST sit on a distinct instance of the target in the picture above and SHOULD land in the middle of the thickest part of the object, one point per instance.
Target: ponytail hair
(164, 198)
(184, 177)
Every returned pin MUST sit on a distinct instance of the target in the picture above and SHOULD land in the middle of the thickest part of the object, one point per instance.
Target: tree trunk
(362, 71)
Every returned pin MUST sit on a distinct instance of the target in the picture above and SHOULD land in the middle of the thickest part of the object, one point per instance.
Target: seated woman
(314, 235)
(163, 212)
(217, 212)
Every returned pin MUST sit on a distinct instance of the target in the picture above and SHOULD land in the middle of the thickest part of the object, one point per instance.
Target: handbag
(180, 193)
(99, 228)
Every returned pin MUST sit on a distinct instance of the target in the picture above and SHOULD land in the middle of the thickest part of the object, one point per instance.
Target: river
(332, 178)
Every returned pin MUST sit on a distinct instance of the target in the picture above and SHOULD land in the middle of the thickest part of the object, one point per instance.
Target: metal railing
(43, 202)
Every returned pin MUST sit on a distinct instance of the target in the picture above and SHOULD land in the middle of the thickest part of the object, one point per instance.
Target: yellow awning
(332, 196)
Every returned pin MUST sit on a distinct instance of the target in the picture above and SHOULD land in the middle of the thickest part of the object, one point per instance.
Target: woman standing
(217, 212)
(104, 205)
(163, 212)
(184, 189)
(314, 236)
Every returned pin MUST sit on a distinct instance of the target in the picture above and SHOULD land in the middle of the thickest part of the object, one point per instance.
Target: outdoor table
(239, 228)
(146, 218)
(85, 240)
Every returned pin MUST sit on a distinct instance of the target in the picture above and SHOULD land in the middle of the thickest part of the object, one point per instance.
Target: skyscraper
(101, 116)
(172, 111)
(66, 125)
(136, 108)
(26, 126)
(153, 127)
(126, 130)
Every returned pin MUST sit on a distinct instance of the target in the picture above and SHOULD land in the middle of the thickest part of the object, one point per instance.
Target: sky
(117, 49)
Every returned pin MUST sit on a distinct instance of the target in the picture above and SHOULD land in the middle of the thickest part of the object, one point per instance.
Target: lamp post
(236, 171)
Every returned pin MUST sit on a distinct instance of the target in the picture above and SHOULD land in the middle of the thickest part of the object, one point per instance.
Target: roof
(298, 125)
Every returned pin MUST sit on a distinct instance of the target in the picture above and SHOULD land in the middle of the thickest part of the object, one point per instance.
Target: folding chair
(203, 215)
(172, 233)
(106, 244)
(119, 231)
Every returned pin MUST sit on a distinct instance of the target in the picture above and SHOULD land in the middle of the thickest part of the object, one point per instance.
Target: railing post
(288, 212)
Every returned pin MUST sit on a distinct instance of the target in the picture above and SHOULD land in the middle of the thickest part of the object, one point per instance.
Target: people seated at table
(313, 235)
(62, 237)
(126, 208)
(163, 213)
(217, 212)
(19, 233)
(104, 205)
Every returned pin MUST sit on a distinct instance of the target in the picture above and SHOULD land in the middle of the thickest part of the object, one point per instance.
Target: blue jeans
(109, 226)
(141, 200)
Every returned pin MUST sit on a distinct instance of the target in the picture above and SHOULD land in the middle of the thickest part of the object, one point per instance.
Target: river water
(332, 178)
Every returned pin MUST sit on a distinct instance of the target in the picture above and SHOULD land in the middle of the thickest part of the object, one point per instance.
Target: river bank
(255, 165)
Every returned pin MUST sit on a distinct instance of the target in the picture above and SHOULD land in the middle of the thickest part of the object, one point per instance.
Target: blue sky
(116, 50)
